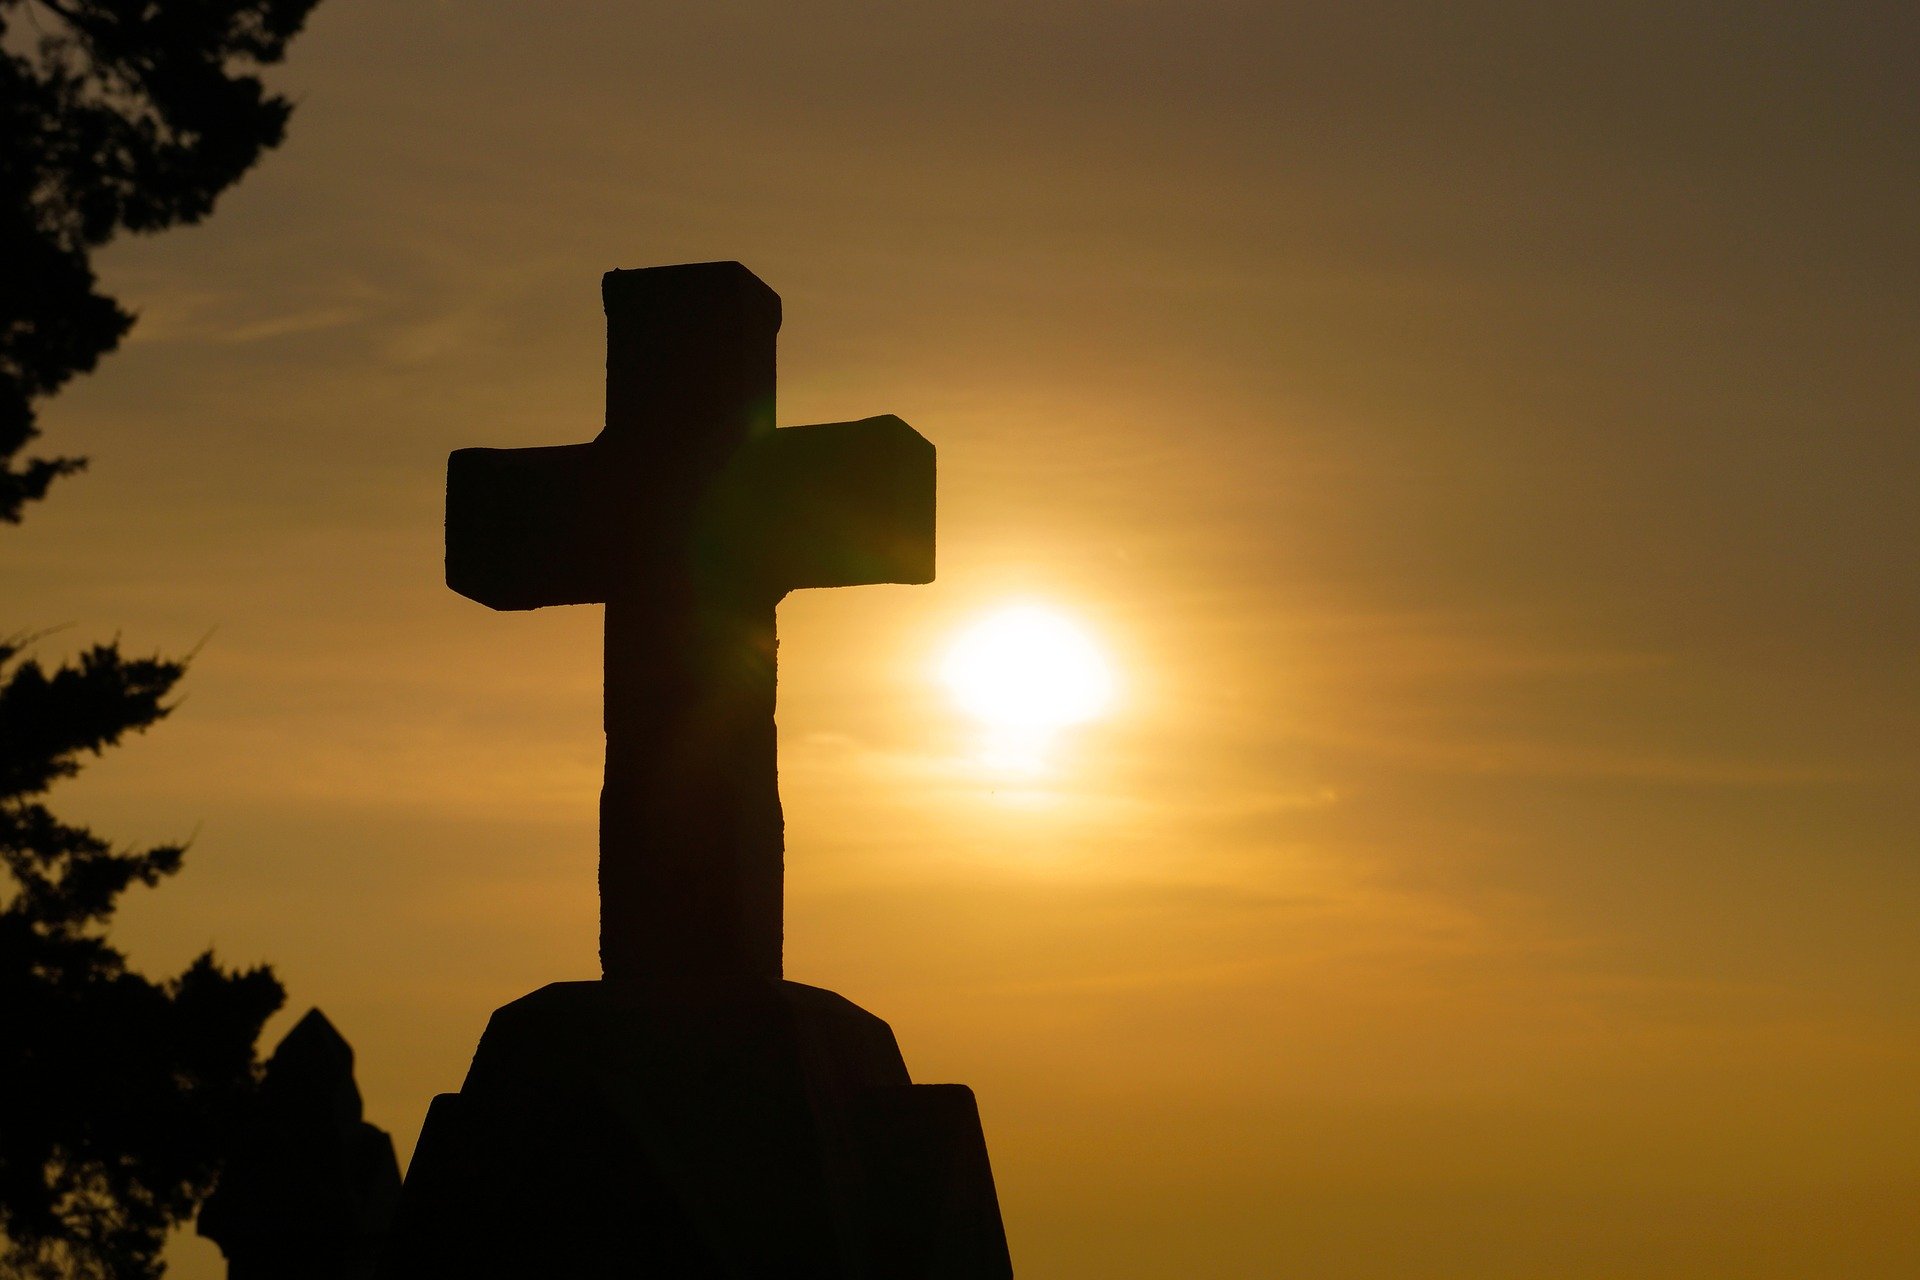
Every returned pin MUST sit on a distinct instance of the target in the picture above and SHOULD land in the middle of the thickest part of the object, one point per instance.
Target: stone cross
(689, 517)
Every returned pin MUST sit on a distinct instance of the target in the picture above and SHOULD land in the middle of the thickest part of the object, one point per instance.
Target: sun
(1028, 668)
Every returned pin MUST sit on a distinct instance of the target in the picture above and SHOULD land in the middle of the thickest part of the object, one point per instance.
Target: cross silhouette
(689, 517)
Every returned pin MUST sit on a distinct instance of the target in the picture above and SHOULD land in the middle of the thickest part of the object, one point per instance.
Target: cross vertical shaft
(691, 849)
(691, 840)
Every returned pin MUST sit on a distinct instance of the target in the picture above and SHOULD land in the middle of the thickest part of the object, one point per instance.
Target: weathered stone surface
(310, 1192)
(692, 1115)
(689, 516)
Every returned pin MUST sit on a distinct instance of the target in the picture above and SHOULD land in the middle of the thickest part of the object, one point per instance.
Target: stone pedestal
(740, 1130)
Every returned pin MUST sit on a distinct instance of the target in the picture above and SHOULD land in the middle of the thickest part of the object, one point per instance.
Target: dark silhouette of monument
(692, 1114)
(310, 1191)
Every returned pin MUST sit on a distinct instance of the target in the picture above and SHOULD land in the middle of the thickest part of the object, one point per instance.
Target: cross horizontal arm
(834, 505)
(839, 504)
(527, 527)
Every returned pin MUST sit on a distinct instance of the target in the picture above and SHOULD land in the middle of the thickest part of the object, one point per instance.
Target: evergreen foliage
(115, 115)
(118, 1094)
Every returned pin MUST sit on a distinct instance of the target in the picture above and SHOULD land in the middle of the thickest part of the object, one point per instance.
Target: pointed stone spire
(309, 1192)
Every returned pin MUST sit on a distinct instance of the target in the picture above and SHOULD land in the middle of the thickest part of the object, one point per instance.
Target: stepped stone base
(738, 1131)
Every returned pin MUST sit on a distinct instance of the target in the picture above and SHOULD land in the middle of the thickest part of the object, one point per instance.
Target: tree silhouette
(118, 1094)
(115, 115)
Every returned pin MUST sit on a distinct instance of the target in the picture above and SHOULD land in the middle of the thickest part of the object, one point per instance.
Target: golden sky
(1481, 436)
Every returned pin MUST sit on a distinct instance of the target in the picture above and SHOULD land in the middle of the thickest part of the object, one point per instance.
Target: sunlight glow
(1028, 670)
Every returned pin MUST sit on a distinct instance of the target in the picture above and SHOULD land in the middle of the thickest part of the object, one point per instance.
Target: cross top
(689, 516)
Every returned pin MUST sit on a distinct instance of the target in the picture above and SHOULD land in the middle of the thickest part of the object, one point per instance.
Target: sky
(1480, 439)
